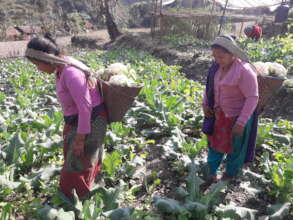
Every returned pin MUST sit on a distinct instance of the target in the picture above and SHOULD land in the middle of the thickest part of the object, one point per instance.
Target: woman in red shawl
(253, 32)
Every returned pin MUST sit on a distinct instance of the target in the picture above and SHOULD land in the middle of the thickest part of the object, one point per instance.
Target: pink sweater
(76, 97)
(237, 92)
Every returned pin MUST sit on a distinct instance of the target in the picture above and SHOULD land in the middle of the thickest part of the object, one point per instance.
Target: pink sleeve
(249, 88)
(76, 83)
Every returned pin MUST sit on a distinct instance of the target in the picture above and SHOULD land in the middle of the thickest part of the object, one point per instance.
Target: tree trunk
(111, 25)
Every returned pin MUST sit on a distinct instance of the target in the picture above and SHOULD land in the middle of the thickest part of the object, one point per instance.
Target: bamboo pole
(213, 7)
(211, 16)
(224, 12)
(160, 17)
(153, 18)
(240, 33)
(263, 21)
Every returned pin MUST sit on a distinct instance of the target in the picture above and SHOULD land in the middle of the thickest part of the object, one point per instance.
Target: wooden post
(160, 17)
(213, 6)
(263, 20)
(153, 18)
(221, 22)
(210, 19)
(155, 15)
(240, 33)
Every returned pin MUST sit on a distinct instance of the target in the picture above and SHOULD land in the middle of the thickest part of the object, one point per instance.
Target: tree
(4, 25)
(109, 20)
(103, 9)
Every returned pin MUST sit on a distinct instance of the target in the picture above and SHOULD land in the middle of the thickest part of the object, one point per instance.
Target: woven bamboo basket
(268, 86)
(118, 99)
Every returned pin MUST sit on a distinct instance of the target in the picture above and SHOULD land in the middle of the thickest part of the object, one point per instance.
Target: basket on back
(118, 99)
(268, 87)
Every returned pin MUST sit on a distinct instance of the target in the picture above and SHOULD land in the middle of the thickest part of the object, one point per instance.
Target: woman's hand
(208, 112)
(78, 145)
(237, 130)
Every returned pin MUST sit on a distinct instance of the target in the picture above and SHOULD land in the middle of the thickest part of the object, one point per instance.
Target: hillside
(65, 17)
(62, 15)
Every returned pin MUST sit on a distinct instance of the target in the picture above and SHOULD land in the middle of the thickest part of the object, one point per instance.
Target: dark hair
(45, 44)
(217, 46)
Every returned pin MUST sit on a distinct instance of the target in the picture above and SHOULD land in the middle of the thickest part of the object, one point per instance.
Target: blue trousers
(236, 159)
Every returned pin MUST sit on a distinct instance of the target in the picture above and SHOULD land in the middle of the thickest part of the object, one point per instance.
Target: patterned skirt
(79, 173)
(221, 140)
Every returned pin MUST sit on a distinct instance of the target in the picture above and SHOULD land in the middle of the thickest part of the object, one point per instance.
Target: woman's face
(223, 58)
(44, 67)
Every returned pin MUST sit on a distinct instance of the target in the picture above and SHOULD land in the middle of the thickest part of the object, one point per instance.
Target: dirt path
(11, 49)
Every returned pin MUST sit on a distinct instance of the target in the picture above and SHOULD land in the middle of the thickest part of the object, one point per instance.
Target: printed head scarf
(230, 44)
(52, 59)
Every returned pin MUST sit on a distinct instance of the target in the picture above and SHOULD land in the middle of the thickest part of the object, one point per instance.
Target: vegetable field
(154, 161)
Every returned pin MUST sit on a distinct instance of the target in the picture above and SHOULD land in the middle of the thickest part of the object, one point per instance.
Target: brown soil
(195, 65)
(11, 49)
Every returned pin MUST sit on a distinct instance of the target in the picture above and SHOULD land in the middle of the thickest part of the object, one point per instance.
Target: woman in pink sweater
(229, 104)
(84, 114)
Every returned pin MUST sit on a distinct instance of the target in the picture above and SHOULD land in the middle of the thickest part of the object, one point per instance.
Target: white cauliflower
(270, 69)
(261, 68)
(117, 74)
(112, 69)
(99, 73)
(121, 80)
(117, 68)
(277, 70)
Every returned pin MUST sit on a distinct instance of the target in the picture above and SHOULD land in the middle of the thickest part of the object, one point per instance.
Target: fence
(203, 21)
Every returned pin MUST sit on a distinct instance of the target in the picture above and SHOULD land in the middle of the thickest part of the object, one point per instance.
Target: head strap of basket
(230, 44)
(118, 99)
(53, 59)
